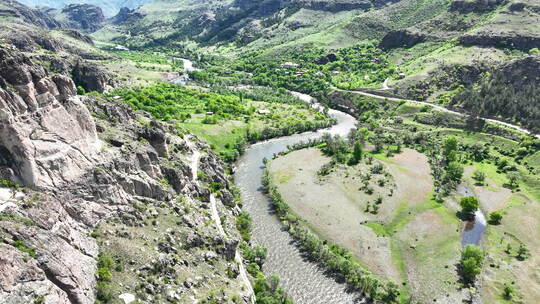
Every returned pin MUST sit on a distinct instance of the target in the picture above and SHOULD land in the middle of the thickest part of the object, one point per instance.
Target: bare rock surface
(79, 172)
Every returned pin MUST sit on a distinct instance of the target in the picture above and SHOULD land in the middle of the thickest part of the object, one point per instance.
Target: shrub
(81, 90)
(471, 263)
(21, 246)
(104, 293)
(495, 218)
(6, 183)
(508, 292)
(479, 176)
(469, 205)
(244, 224)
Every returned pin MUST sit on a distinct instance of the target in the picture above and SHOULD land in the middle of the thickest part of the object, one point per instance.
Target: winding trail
(440, 108)
(215, 217)
(385, 84)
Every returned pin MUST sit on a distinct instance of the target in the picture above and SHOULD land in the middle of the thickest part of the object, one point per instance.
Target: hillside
(269, 151)
(110, 7)
(437, 46)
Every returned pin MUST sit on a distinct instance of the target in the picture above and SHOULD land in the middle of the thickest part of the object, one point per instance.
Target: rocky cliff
(84, 17)
(84, 178)
(13, 9)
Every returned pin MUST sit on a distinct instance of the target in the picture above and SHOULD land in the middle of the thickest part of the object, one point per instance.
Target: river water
(474, 230)
(303, 280)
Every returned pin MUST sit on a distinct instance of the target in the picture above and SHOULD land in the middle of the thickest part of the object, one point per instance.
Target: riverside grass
(333, 257)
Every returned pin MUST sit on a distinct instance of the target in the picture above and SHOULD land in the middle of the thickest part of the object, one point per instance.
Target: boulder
(401, 38)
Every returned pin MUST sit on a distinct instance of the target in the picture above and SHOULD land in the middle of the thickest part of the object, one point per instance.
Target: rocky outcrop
(522, 72)
(77, 35)
(29, 39)
(126, 15)
(326, 59)
(31, 104)
(401, 38)
(81, 172)
(13, 9)
(521, 40)
(85, 17)
(92, 77)
(336, 5)
(467, 6)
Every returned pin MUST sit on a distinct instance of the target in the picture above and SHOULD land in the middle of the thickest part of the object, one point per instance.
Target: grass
(21, 246)
(17, 219)
(397, 259)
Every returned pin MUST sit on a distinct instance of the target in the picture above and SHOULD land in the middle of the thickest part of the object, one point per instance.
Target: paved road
(440, 108)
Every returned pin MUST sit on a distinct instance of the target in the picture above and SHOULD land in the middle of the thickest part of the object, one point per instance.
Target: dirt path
(440, 108)
(215, 217)
(385, 84)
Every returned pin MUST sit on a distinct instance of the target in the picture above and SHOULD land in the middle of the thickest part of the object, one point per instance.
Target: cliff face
(89, 164)
(83, 17)
(31, 136)
(13, 9)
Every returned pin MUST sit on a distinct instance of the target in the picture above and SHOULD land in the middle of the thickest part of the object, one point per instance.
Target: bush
(495, 218)
(471, 263)
(21, 246)
(454, 172)
(479, 176)
(244, 224)
(256, 254)
(104, 293)
(104, 275)
(508, 292)
(80, 90)
(6, 183)
(469, 205)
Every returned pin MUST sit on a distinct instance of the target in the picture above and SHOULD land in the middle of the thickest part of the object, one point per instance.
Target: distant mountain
(109, 7)
(82, 17)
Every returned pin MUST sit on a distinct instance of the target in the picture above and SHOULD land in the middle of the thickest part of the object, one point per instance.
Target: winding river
(303, 280)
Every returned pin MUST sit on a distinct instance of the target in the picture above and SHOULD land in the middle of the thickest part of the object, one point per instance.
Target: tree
(508, 292)
(508, 249)
(357, 152)
(256, 254)
(479, 176)
(523, 252)
(454, 172)
(495, 218)
(450, 149)
(471, 263)
(469, 205)
(512, 180)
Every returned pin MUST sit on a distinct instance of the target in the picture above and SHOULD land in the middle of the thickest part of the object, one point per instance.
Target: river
(303, 280)
(474, 230)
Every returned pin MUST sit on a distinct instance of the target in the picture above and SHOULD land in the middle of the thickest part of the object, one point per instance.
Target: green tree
(508, 292)
(523, 252)
(471, 263)
(479, 176)
(495, 218)
(454, 172)
(450, 149)
(469, 205)
(513, 180)
(256, 254)
(357, 152)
